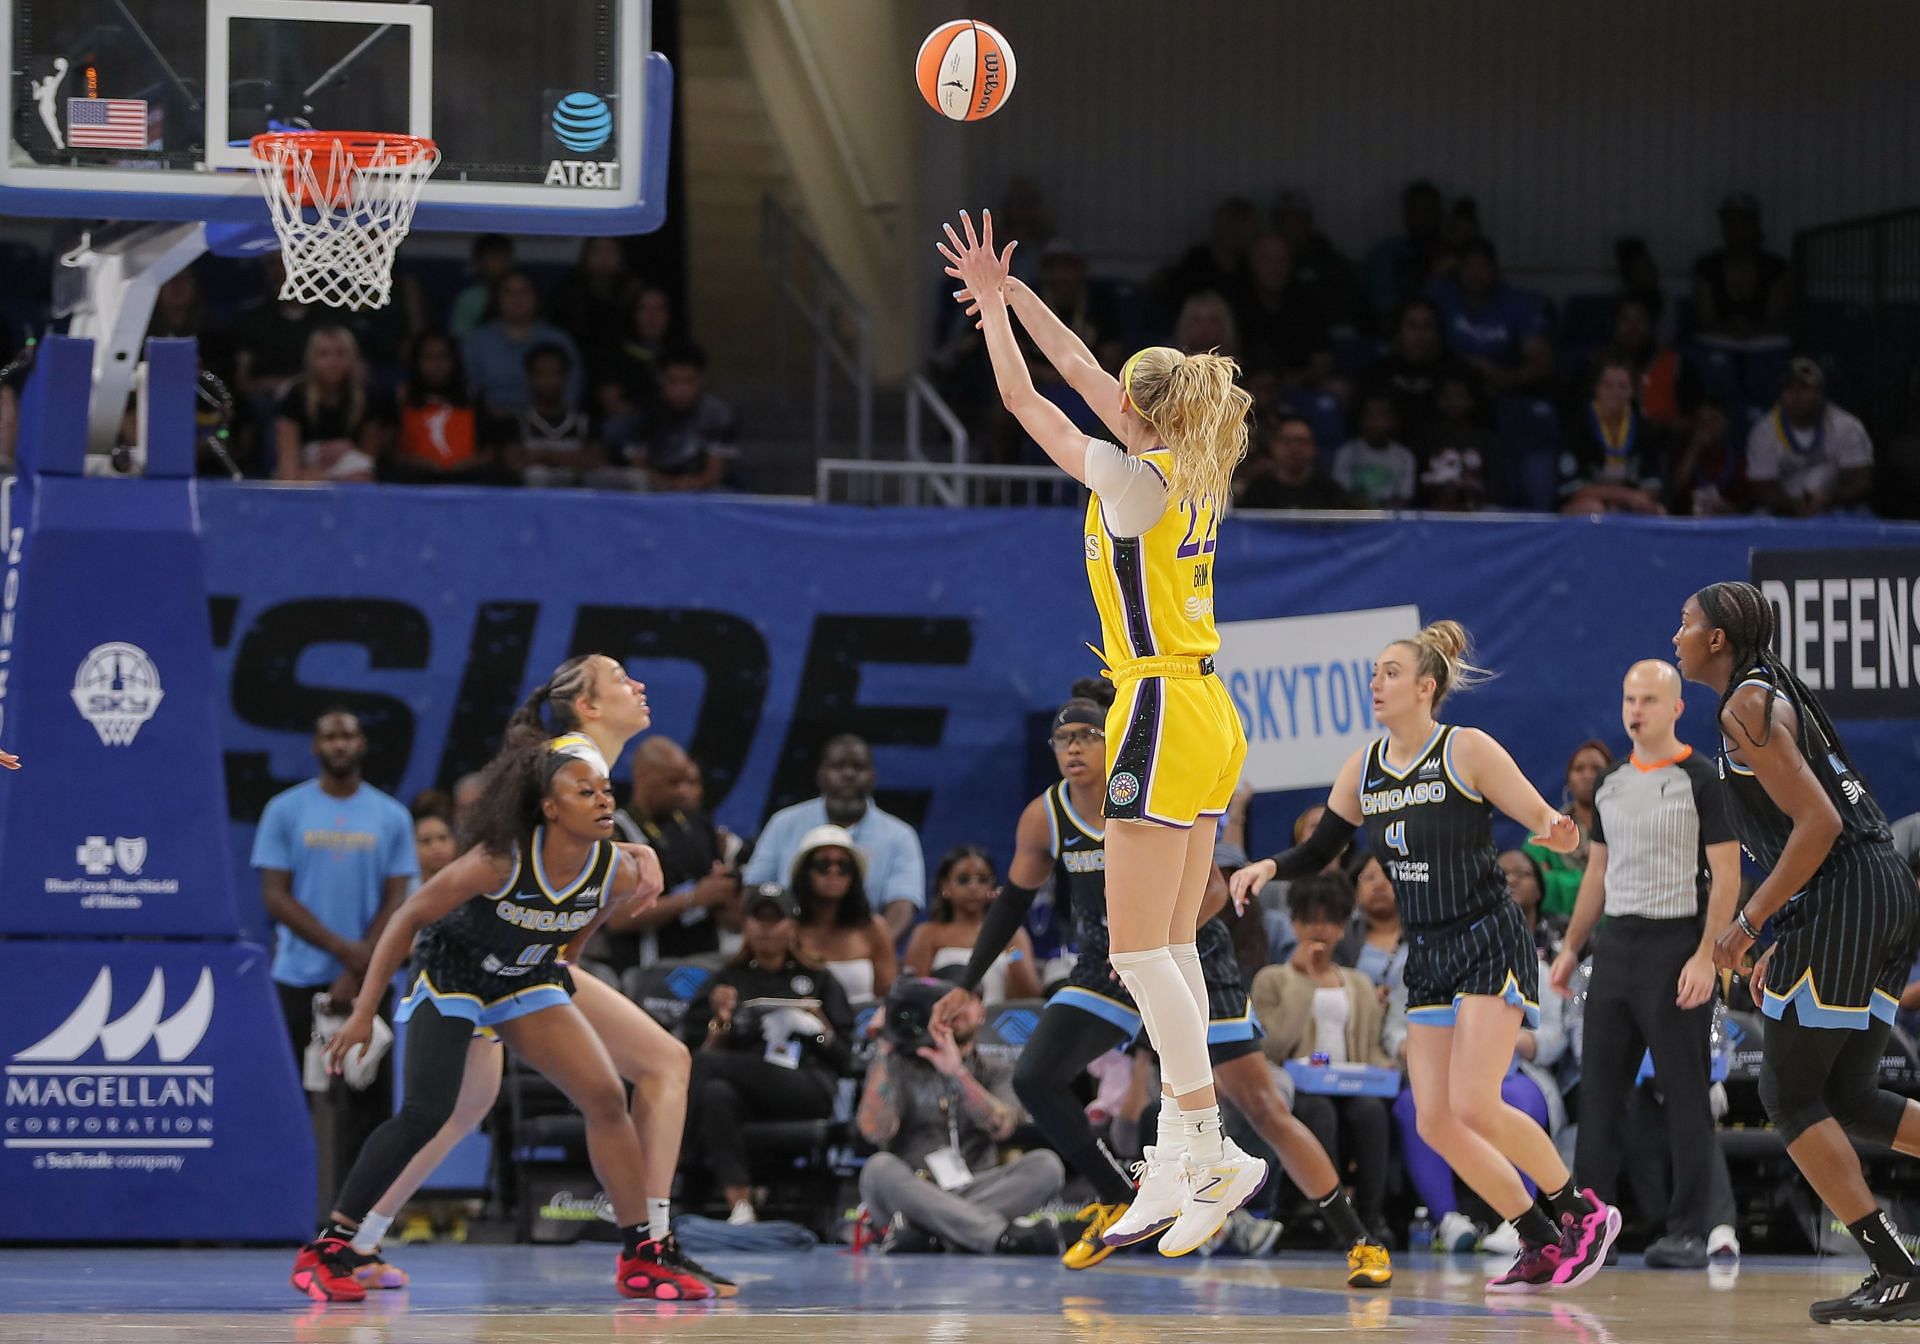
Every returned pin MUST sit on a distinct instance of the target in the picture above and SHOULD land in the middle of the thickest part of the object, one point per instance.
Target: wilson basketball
(966, 70)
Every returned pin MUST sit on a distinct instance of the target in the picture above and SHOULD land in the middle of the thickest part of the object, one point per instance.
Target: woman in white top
(838, 928)
(964, 885)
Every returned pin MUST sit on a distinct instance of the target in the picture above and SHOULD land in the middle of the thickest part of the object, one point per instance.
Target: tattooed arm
(878, 1118)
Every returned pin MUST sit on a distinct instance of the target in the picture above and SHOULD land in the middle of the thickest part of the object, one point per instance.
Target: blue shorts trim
(1445, 1014)
(490, 1013)
(1810, 1012)
(1107, 1010)
(1246, 1027)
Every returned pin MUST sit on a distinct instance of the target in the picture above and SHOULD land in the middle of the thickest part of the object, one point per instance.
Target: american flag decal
(107, 123)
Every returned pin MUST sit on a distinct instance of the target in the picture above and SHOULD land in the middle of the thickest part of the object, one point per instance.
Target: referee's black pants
(1630, 1010)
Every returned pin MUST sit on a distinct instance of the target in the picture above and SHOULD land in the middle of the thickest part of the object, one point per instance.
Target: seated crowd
(829, 923)
(1421, 376)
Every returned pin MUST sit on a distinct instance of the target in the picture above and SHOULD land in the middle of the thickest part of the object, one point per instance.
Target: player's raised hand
(1248, 880)
(972, 260)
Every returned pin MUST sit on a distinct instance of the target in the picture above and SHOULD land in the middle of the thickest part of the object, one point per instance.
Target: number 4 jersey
(1433, 836)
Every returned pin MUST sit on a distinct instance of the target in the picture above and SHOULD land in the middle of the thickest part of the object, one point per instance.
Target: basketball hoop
(341, 202)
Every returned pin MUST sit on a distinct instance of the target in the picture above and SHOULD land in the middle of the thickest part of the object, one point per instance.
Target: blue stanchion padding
(150, 1095)
(108, 691)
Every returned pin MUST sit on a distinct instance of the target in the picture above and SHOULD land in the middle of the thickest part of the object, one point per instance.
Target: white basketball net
(341, 208)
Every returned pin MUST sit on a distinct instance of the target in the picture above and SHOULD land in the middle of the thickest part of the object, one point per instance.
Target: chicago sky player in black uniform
(1427, 792)
(1845, 916)
(1094, 1013)
(490, 926)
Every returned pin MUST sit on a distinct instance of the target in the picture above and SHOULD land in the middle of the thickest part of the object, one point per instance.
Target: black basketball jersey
(523, 924)
(1079, 869)
(1763, 828)
(1433, 837)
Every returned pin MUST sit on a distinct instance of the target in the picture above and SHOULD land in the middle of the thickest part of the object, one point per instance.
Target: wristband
(1746, 925)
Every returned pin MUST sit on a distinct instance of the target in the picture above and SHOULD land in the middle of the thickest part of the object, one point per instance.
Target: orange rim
(358, 149)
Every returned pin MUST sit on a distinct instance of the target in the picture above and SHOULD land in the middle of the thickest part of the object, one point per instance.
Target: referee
(1665, 871)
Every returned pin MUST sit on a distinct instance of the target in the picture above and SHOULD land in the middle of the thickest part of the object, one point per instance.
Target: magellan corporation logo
(117, 689)
(114, 1113)
(100, 889)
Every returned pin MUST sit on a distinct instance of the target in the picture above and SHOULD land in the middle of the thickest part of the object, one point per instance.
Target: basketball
(966, 70)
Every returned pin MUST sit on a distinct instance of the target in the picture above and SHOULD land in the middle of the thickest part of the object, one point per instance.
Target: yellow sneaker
(416, 1229)
(1368, 1266)
(1090, 1250)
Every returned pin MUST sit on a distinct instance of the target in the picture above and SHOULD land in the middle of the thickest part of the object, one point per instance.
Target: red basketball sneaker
(324, 1271)
(656, 1271)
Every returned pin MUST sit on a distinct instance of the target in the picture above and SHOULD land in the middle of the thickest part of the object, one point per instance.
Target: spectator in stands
(1281, 939)
(270, 342)
(595, 303)
(1374, 466)
(1281, 325)
(689, 434)
(336, 858)
(441, 437)
(496, 352)
(1285, 470)
(178, 309)
(1665, 386)
(1412, 369)
(433, 847)
(772, 1038)
(896, 872)
(1741, 292)
(1708, 473)
(330, 426)
(629, 384)
(1560, 874)
(1639, 279)
(1218, 265)
(555, 440)
(1374, 943)
(1806, 456)
(1612, 460)
(1206, 324)
(1023, 217)
(1311, 1006)
(1399, 268)
(490, 258)
(1530, 1085)
(693, 865)
(1899, 469)
(1460, 452)
(466, 793)
(1327, 275)
(1499, 330)
(964, 885)
(938, 1113)
(837, 928)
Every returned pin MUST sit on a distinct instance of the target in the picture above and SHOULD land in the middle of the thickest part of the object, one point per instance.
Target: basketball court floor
(529, 1295)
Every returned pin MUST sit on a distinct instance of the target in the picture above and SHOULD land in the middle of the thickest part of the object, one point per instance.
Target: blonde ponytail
(1193, 404)
(1446, 654)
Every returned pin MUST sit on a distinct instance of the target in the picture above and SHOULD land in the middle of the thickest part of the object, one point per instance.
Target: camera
(909, 1021)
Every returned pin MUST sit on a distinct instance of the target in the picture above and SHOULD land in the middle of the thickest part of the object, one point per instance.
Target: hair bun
(1446, 638)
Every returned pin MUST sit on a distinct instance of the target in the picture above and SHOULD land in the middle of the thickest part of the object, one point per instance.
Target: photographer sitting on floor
(939, 1112)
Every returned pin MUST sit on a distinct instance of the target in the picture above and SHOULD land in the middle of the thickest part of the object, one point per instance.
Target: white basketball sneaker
(1163, 1189)
(1214, 1191)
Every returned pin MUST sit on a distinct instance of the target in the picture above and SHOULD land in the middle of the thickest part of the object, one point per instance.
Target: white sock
(1187, 957)
(1172, 1137)
(372, 1227)
(1202, 1126)
(659, 1222)
(1178, 1027)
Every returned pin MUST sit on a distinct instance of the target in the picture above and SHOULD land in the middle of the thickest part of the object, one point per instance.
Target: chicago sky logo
(61, 1100)
(117, 689)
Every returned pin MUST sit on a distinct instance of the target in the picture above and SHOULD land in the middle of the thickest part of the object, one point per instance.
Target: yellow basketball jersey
(1155, 591)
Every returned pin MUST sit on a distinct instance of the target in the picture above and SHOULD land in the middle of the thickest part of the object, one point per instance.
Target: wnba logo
(117, 689)
(582, 122)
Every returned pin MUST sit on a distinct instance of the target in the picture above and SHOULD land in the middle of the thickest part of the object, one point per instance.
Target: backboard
(551, 115)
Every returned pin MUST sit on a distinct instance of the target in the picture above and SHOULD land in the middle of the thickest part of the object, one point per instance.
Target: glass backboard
(551, 117)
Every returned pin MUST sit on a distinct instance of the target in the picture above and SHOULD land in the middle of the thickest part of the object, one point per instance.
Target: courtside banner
(1848, 623)
(150, 1095)
(1301, 684)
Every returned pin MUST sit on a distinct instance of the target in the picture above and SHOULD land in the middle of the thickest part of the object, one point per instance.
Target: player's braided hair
(1744, 614)
(511, 788)
(548, 710)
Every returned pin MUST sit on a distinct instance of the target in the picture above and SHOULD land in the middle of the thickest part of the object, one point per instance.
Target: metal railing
(807, 288)
(955, 485)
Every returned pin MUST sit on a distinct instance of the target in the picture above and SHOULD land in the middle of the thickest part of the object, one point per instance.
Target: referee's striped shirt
(1656, 820)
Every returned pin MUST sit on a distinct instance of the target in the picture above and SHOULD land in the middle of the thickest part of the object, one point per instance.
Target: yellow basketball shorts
(1174, 750)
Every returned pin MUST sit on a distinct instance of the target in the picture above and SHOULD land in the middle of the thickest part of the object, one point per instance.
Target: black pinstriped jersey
(1433, 837)
(529, 918)
(1079, 870)
(1763, 828)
